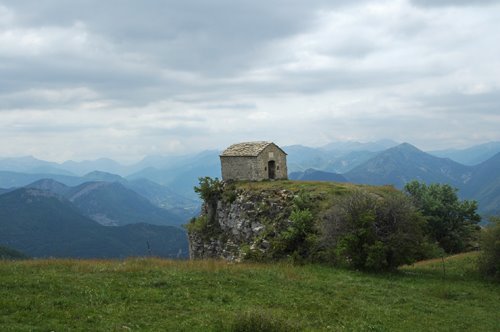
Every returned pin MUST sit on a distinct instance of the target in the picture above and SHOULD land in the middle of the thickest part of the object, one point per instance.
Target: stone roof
(245, 149)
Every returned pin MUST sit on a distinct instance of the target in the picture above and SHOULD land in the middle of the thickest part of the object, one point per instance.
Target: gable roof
(246, 149)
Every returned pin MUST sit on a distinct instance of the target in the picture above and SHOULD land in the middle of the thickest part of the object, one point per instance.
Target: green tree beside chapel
(451, 222)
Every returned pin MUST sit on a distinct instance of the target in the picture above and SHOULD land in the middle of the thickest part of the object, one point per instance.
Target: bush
(489, 259)
(197, 225)
(229, 194)
(364, 231)
(298, 239)
(302, 201)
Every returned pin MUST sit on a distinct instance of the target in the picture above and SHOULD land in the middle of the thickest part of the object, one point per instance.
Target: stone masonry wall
(239, 168)
(254, 168)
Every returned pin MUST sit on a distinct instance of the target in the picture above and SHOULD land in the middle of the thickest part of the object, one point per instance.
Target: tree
(451, 223)
(366, 231)
(209, 189)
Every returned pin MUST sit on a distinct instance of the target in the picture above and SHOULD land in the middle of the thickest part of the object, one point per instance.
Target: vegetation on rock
(364, 227)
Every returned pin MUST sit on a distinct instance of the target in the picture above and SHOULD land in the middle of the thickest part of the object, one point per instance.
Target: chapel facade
(253, 161)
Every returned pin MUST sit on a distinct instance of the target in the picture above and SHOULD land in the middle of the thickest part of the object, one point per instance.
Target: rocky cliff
(241, 222)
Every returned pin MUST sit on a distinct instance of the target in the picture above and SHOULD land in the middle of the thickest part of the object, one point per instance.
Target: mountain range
(118, 215)
(180, 172)
(37, 219)
(157, 194)
(43, 224)
(470, 156)
(110, 203)
(403, 163)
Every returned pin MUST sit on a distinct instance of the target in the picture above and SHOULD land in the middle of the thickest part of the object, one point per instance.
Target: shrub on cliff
(299, 239)
(365, 231)
(489, 260)
(209, 190)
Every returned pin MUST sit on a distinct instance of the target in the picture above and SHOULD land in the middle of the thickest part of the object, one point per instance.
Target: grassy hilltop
(326, 192)
(164, 295)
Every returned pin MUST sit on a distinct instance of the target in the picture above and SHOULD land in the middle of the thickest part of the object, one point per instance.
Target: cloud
(443, 3)
(170, 76)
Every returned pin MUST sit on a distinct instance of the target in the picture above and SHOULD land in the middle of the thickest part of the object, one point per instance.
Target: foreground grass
(155, 295)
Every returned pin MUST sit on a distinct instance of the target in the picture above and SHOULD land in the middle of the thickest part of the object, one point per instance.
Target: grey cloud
(444, 3)
(233, 106)
(184, 69)
(478, 104)
(211, 37)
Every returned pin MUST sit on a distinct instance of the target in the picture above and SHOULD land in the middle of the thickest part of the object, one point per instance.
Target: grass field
(162, 295)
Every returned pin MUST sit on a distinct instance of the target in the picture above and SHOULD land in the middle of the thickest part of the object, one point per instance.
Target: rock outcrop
(241, 222)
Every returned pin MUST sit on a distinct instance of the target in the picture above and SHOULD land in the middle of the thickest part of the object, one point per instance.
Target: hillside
(470, 156)
(336, 160)
(163, 295)
(42, 224)
(50, 185)
(159, 195)
(111, 204)
(404, 163)
(9, 253)
(484, 185)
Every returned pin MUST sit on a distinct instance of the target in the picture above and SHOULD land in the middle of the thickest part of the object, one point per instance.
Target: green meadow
(163, 295)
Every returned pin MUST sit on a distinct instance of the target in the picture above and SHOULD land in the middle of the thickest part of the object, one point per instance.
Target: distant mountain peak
(406, 145)
(103, 176)
(49, 185)
(374, 146)
(404, 163)
(46, 183)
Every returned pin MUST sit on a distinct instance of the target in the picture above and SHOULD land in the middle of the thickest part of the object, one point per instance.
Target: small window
(265, 168)
(277, 167)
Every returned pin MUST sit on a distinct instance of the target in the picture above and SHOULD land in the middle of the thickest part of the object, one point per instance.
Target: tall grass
(163, 295)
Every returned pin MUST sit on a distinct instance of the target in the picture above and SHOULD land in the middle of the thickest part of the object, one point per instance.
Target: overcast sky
(83, 79)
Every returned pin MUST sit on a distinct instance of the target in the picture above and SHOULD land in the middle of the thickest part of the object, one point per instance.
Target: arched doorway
(271, 169)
